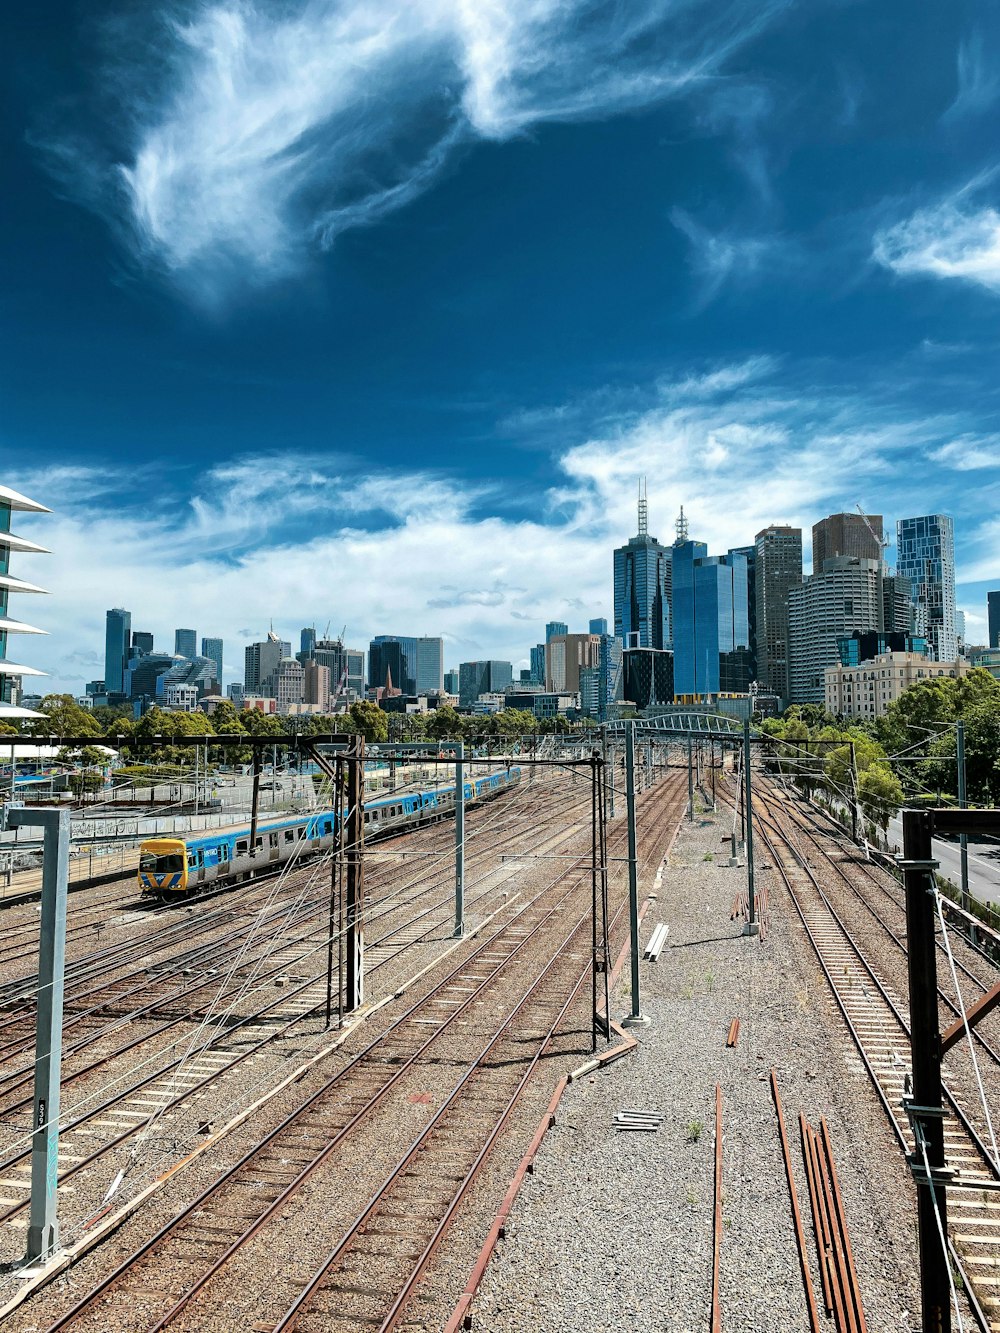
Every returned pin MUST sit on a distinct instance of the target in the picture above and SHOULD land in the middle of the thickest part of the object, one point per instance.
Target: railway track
(877, 1021)
(475, 1040)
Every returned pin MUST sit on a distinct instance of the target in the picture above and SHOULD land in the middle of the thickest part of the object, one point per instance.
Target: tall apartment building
(316, 685)
(925, 554)
(11, 671)
(565, 654)
(185, 643)
(642, 570)
(429, 671)
(261, 660)
(898, 612)
(845, 596)
(117, 637)
(346, 667)
(711, 621)
(846, 535)
(993, 618)
(285, 683)
(537, 656)
(778, 570)
(476, 678)
(867, 690)
(212, 648)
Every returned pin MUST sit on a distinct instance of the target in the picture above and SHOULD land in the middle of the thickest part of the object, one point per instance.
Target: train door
(272, 847)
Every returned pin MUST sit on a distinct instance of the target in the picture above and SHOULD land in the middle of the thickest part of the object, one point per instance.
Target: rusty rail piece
(716, 1319)
(162, 1069)
(841, 1289)
(733, 1035)
(800, 1238)
(317, 1126)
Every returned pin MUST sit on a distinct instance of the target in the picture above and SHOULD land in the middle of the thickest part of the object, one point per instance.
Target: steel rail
(800, 1237)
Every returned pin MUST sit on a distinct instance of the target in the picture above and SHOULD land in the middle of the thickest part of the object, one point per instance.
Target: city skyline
(745, 250)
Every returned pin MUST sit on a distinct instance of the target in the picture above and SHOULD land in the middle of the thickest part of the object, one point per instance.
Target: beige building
(316, 685)
(565, 654)
(868, 689)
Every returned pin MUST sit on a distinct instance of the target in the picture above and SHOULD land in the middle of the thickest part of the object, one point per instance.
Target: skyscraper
(429, 666)
(847, 534)
(599, 625)
(778, 570)
(185, 643)
(307, 641)
(212, 648)
(142, 640)
(117, 636)
(476, 678)
(555, 628)
(262, 659)
(642, 588)
(11, 672)
(396, 654)
(993, 618)
(711, 621)
(346, 667)
(538, 663)
(845, 597)
(565, 654)
(925, 554)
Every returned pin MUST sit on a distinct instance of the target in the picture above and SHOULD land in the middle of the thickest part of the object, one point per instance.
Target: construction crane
(883, 542)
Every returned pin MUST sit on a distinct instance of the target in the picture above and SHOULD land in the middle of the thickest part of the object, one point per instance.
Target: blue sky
(374, 311)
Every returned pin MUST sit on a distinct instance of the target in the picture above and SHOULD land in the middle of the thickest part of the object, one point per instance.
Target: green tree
(369, 721)
(982, 756)
(445, 724)
(880, 794)
(63, 716)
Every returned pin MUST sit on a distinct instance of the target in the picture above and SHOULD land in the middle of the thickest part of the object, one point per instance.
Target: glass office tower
(711, 621)
(925, 554)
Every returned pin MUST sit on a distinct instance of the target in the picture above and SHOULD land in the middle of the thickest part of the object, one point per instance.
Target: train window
(192, 861)
(161, 865)
(289, 835)
(242, 847)
(273, 839)
(259, 842)
(224, 852)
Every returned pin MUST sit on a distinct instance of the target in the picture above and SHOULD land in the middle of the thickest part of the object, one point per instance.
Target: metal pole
(854, 792)
(355, 924)
(748, 807)
(925, 1108)
(459, 840)
(197, 751)
(690, 783)
(633, 870)
(963, 838)
(43, 1226)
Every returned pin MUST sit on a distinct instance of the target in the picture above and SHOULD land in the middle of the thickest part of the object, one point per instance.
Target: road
(984, 862)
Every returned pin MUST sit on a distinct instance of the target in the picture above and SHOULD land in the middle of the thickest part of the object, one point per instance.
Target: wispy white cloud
(954, 238)
(296, 538)
(978, 80)
(969, 453)
(718, 258)
(265, 131)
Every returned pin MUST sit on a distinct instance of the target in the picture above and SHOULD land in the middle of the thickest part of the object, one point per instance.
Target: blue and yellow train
(169, 866)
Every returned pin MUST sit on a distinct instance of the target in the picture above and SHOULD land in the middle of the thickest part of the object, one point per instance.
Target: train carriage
(171, 867)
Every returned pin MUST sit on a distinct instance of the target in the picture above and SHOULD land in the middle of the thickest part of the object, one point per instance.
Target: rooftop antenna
(643, 509)
(681, 528)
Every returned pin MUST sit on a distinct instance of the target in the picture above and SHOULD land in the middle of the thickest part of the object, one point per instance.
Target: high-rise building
(307, 641)
(396, 654)
(144, 670)
(185, 643)
(142, 640)
(960, 631)
(750, 555)
(711, 621)
(565, 654)
(993, 618)
(538, 664)
(599, 625)
(346, 667)
(476, 678)
(451, 679)
(316, 685)
(11, 671)
(429, 666)
(285, 683)
(261, 659)
(647, 677)
(554, 628)
(857, 535)
(778, 569)
(898, 611)
(642, 588)
(117, 637)
(925, 554)
(846, 596)
(212, 648)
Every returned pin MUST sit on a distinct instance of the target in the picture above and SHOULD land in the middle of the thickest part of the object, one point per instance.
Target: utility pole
(963, 839)
(355, 904)
(459, 840)
(43, 1224)
(636, 1015)
(854, 792)
(752, 927)
(925, 1109)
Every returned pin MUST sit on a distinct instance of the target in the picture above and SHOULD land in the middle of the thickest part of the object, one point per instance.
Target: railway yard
(237, 1153)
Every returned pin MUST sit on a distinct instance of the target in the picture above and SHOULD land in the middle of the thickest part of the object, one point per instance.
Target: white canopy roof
(22, 544)
(16, 669)
(18, 585)
(12, 711)
(18, 501)
(19, 626)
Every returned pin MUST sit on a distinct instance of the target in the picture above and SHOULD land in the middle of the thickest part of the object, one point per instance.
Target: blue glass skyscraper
(117, 636)
(925, 554)
(711, 620)
(642, 589)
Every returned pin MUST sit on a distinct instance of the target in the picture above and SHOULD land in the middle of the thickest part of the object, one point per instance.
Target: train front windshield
(168, 864)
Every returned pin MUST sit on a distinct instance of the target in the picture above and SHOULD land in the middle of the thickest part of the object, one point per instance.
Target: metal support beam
(354, 914)
(254, 803)
(636, 1015)
(926, 1108)
(690, 783)
(459, 840)
(751, 897)
(43, 1224)
(983, 1006)
(963, 838)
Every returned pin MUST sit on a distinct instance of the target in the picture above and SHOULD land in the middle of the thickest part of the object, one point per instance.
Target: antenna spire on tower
(643, 509)
(681, 528)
